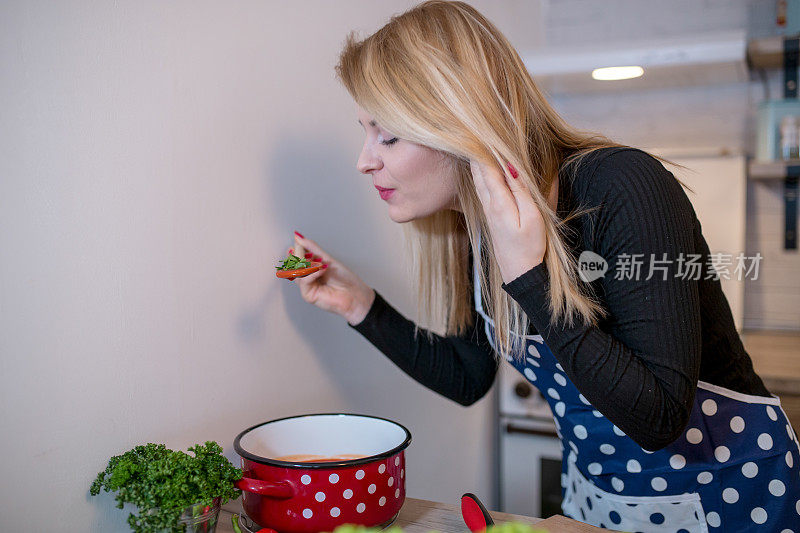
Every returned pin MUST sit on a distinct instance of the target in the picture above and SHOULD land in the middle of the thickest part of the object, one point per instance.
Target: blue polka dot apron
(736, 467)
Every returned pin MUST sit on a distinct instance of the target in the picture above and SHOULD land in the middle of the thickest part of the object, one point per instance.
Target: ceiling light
(617, 73)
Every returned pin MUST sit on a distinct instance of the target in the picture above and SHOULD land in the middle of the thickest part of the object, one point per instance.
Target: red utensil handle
(474, 513)
(271, 489)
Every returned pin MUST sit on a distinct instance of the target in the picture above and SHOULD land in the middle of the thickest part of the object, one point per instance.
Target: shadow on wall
(311, 184)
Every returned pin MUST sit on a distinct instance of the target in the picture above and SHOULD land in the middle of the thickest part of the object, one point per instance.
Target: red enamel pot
(283, 490)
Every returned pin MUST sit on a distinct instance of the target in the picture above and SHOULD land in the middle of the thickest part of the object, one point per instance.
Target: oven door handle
(511, 428)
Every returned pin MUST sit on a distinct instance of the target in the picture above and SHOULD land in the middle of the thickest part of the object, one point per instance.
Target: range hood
(687, 61)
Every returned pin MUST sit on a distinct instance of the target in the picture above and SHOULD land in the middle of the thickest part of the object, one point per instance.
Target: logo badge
(591, 266)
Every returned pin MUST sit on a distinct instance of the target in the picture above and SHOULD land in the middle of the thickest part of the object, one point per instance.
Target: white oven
(530, 450)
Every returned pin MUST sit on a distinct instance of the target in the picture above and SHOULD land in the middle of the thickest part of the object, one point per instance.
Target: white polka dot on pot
(360, 474)
(306, 479)
(402, 473)
(347, 494)
(307, 513)
(391, 481)
(333, 478)
(381, 468)
(396, 461)
(320, 496)
(372, 488)
(360, 507)
(396, 493)
(335, 511)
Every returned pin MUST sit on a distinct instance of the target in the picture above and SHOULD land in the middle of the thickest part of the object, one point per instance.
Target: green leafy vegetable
(293, 262)
(162, 483)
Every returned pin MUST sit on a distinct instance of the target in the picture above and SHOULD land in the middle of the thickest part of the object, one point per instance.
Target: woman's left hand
(514, 220)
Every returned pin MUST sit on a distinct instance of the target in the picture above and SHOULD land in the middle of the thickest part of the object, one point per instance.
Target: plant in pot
(173, 491)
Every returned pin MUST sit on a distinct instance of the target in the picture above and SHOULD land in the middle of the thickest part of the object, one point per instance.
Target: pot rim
(325, 465)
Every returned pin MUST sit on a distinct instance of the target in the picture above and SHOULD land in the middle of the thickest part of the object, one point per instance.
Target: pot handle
(271, 489)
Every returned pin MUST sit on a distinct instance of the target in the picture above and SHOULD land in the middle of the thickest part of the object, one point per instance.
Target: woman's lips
(385, 193)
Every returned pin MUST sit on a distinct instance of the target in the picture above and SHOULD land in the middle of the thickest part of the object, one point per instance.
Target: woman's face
(417, 181)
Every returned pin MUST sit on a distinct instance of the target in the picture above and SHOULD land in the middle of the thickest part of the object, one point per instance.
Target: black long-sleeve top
(640, 365)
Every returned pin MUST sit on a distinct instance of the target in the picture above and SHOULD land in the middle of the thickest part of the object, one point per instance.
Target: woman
(663, 422)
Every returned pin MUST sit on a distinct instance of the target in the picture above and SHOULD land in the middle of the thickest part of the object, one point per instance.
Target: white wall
(156, 157)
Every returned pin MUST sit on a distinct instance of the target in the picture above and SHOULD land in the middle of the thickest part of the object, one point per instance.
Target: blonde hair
(443, 76)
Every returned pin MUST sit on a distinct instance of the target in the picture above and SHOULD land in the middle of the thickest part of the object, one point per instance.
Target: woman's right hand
(335, 288)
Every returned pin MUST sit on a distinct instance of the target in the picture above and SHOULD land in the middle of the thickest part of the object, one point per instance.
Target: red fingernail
(511, 170)
(299, 234)
(324, 266)
(309, 255)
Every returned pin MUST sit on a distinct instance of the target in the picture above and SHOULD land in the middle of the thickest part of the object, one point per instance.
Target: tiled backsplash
(773, 300)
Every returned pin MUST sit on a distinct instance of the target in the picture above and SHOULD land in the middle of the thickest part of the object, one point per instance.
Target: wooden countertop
(776, 358)
(422, 516)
